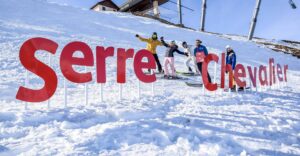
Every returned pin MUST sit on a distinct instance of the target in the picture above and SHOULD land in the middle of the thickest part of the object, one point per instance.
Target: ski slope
(176, 120)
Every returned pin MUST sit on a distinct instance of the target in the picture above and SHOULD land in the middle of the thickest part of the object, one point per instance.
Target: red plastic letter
(67, 60)
(238, 75)
(101, 55)
(272, 71)
(263, 70)
(226, 67)
(37, 67)
(252, 76)
(208, 58)
(285, 68)
(139, 65)
(279, 72)
(123, 55)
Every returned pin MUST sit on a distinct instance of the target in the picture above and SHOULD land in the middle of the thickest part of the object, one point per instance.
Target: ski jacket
(231, 59)
(151, 44)
(188, 50)
(171, 49)
(200, 53)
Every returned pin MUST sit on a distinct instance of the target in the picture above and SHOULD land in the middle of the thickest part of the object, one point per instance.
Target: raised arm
(179, 52)
(164, 43)
(142, 39)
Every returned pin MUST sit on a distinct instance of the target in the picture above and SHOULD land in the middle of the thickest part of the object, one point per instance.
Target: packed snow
(169, 118)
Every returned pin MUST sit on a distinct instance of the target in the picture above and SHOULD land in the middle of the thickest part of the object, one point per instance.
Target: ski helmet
(228, 47)
(154, 36)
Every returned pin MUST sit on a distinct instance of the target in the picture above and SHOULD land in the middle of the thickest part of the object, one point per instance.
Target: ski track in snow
(177, 120)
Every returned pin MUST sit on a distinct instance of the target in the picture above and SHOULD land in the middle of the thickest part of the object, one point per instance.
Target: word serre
(67, 60)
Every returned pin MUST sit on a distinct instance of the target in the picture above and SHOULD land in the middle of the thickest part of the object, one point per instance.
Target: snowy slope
(177, 120)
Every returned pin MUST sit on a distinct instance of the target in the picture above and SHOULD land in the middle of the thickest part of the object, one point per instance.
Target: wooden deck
(139, 5)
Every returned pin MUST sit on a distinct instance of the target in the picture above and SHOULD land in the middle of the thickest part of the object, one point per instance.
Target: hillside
(176, 120)
(285, 46)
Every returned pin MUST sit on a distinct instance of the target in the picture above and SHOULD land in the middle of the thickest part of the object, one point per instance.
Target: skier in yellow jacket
(152, 43)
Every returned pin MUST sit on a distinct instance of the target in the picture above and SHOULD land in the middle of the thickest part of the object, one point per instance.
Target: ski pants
(189, 66)
(199, 64)
(169, 61)
(157, 62)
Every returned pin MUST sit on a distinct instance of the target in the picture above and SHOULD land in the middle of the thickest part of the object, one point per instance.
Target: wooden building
(142, 6)
(105, 5)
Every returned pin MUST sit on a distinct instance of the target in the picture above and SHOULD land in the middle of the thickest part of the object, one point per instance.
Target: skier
(169, 58)
(152, 43)
(231, 60)
(200, 52)
(230, 56)
(187, 50)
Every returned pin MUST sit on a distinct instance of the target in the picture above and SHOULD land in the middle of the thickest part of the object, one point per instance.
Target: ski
(156, 73)
(188, 74)
(172, 78)
(239, 90)
(194, 84)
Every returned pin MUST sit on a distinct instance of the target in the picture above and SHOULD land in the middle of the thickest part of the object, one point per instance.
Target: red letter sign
(238, 74)
(263, 70)
(208, 58)
(285, 68)
(272, 71)
(123, 55)
(67, 60)
(279, 73)
(252, 76)
(139, 65)
(37, 67)
(226, 68)
(101, 55)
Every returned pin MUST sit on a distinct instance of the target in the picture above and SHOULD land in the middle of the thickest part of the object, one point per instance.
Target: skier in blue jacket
(200, 52)
(230, 57)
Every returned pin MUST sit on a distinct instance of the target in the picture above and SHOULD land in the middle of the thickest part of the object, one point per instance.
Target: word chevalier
(67, 60)
(240, 72)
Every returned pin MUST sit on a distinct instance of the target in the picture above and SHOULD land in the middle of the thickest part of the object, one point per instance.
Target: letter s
(37, 67)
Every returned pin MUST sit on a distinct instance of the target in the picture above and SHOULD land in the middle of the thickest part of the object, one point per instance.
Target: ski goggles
(154, 36)
(198, 41)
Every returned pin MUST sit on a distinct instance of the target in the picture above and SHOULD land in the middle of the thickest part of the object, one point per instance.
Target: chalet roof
(139, 5)
(107, 3)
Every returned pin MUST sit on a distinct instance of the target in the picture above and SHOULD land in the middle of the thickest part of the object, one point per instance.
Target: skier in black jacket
(169, 58)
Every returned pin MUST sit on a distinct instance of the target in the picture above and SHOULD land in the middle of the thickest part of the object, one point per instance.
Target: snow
(176, 120)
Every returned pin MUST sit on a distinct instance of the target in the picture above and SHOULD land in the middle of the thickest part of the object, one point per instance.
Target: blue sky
(276, 19)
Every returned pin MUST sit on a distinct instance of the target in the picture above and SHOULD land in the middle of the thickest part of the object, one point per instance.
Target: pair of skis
(162, 76)
(192, 83)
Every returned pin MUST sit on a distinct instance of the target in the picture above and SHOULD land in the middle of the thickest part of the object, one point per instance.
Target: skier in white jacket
(190, 61)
